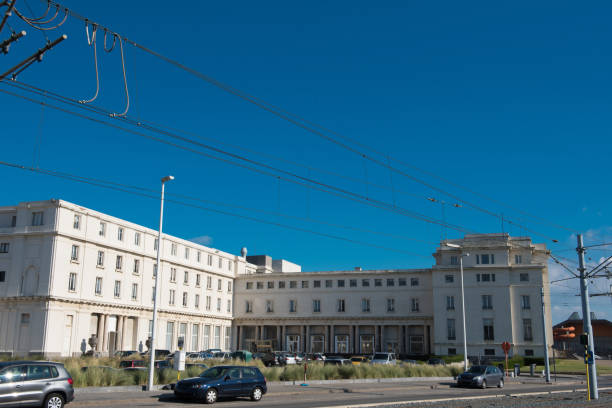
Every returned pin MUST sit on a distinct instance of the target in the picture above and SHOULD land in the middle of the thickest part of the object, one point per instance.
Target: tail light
(70, 381)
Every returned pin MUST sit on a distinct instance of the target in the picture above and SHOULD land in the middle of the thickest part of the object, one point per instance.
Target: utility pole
(546, 363)
(586, 321)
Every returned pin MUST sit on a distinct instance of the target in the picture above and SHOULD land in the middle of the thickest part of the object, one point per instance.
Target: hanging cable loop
(38, 24)
(114, 40)
(37, 20)
(32, 20)
(90, 42)
(127, 94)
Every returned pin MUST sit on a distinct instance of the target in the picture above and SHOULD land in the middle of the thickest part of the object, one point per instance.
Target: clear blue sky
(511, 100)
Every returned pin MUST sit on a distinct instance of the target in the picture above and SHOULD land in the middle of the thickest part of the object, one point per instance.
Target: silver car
(35, 383)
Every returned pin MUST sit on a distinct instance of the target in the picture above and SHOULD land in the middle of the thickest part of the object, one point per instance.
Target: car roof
(11, 363)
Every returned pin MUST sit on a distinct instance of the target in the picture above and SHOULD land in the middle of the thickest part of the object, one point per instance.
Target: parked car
(101, 368)
(299, 357)
(222, 355)
(243, 355)
(125, 353)
(287, 358)
(223, 381)
(383, 358)
(213, 351)
(270, 359)
(481, 376)
(201, 355)
(158, 353)
(133, 364)
(410, 361)
(436, 361)
(318, 357)
(198, 365)
(35, 383)
(337, 361)
(357, 360)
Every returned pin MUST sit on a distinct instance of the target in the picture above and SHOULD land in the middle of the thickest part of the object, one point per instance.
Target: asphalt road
(347, 395)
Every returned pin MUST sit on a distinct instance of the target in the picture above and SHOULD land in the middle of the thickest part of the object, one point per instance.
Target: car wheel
(54, 401)
(484, 384)
(501, 383)
(211, 396)
(257, 394)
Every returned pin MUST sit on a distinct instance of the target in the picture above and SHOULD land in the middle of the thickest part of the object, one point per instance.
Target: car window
(214, 372)
(38, 372)
(234, 373)
(12, 374)
(248, 372)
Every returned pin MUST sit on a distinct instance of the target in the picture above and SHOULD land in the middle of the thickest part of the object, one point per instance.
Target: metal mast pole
(546, 363)
(465, 356)
(586, 321)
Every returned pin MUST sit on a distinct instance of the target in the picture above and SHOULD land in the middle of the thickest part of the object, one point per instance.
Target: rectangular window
(229, 306)
(488, 329)
(304, 284)
(217, 336)
(486, 277)
(100, 261)
(292, 284)
(316, 306)
(199, 257)
(153, 294)
(155, 244)
(185, 299)
(173, 249)
(74, 253)
(390, 305)
(172, 274)
(328, 283)
(134, 291)
(353, 283)
(454, 260)
(260, 285)
(37, 218)
(228, 336)
(269, 306)
(208, 301)
(209, 261)
(401, 282)
(136, 269)
(102, 229)
(218, 304)
(171, 297)
(195, 331)
(341, 283)
(77, 222)
(390, 282)
(365, 305)
(524, 277)
(196, 302)
(281, 284)
(341, 306)
(365, 283)
(489, 352)
(2, 276)
(249, 285)
(137, 238)
(4, 247)
(25, 318)
(198, 279)
(452, 351)
(487, 302)
(248, 306)
(229, 286)
(119, 262)
(525, 302)
(220, 262)
(450, 303)
(528, 353)
(415, 304)
(377, 282)
(449, 278)
(292, 306)
(186, 278)
(528, 333)
(450, 329)
(206, 338)
(229, 265)
(219, 284)
(484, 259)
(170, 335)
(186, 253)
(155, 271)
(120, 234)
(208, 282)
(317, 284)
(72, 281)
(414, 281)
(117, 291)
(518, 259)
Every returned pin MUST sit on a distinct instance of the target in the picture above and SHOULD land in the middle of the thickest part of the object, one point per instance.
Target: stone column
(104, 336)
(302, 339)
(122, 345)
(332, 339)
(307, 340)
(284, 338)
(99, 333)
(426, 339)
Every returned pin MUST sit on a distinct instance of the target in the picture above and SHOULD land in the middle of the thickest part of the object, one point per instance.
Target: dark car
(481, 376)
(133, 364)
(35, 383)
(337, 361)
(222, 382)
(271, 359)
(125, 353)
(436, 361)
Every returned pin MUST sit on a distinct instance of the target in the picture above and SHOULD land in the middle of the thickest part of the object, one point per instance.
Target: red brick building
(602, 335)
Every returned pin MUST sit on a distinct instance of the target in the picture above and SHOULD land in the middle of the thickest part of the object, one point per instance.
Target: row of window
(4, 247)
(488, 330)
(487, 302)
(340, 305)
(329, 283)
(486, 277)
(211, 336)
(485, 259)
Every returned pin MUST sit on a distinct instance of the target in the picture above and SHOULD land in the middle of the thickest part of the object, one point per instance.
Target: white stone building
(67, 272)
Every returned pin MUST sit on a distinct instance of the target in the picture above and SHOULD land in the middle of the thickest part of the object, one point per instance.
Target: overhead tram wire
(126, 189)
(290, 118)
(308, 183)
(288, 176)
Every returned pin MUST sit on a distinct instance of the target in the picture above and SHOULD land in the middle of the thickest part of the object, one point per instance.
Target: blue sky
(510, 100)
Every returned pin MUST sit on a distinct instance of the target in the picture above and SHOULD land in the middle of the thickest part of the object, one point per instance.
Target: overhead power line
(143, 193)
(265, 168)
(317, 130)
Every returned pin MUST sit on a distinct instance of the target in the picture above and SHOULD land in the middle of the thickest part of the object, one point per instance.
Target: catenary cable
(92, 42)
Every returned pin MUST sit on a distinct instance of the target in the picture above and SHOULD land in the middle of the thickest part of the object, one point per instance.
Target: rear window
(249, 372)
(381, 356)
(38, 372)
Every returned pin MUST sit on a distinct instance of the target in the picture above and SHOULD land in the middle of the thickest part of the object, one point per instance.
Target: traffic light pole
(546, 363)
(586, 322)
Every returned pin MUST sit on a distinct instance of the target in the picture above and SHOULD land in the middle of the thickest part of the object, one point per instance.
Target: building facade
(68, 272)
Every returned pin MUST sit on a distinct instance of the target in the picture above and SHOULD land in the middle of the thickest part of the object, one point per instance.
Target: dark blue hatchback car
(221, 382)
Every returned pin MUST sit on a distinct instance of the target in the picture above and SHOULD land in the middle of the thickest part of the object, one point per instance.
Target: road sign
(588, 357)
(506, 347)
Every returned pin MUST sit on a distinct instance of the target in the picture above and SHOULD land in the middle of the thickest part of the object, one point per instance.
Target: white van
(383, 358)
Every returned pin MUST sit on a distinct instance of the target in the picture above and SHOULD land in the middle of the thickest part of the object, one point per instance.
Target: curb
(364, 380)
(118, 388)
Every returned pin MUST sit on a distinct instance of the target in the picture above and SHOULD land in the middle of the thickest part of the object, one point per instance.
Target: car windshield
(477, 369)
(380, 356)
(214, 372)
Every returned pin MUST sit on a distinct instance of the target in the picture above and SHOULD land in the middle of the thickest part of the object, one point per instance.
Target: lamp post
(156, 292)
(465, 357)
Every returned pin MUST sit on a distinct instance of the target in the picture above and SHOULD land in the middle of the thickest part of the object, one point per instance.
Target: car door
(491, 376)
(11, 379)
(37, 379)
(231, 385)
(249, 380)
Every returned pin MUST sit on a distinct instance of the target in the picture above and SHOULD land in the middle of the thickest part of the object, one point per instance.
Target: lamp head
(448, 244)
(167, 178)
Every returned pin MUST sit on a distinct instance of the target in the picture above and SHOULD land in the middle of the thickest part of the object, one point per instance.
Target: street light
(156, 292)
(465, 357)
